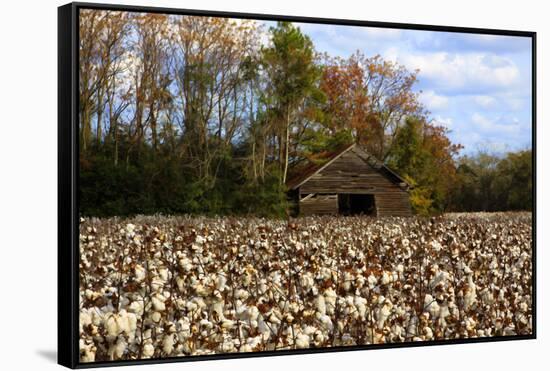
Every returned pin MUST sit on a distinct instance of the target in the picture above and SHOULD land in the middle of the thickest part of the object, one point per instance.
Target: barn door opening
(356, 204)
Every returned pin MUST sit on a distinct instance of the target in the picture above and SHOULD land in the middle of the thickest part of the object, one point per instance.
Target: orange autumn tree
(369, 97)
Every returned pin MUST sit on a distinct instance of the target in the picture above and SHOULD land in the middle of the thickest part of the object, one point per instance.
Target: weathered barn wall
(320, 204)
(351, 174)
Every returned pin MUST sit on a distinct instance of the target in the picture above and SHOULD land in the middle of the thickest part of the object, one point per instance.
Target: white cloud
(496, 126)
(433, 101)
(472, 71)
(485, 101)
(444, 121)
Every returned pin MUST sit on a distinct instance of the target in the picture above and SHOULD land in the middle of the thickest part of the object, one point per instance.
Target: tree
(424, 155)
(371, 97)
(289, 63)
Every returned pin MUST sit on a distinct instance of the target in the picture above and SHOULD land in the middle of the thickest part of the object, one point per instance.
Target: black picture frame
(68, 180)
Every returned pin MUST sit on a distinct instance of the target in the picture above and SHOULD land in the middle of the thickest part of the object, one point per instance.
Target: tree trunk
(287, 140)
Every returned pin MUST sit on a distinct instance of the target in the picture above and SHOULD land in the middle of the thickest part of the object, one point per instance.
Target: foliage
(494, 183)
(207, 115)
(423, 154)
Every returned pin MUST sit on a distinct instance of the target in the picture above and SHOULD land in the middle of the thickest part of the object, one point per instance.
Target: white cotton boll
(466, 269)
(200, 240)
(372, 280)
(431, 306)
(330, 300)
(348, 278)
(263, 328)
(186, 264)
(470, 296)
(148, 350)
(253, 313)
(320, 304)
(361, 305)
(180, 282)
(122, 322)
(139, 273)
(307, 281)
(382, 314)
(302, 341)
(245, 348)
(163, 273)
(227, 324)
(386, 278)
(319, 338)
(436, 246)
(168, 343)
(228, 345)
(217, 307)
(85, 318)
(221, 282)
(206, 324)
(111, 326)
(158, 303)
(428, 333)
(326, 322)
(132, 322)
(116, 351)
(400, 268)
(156, 316)
(274, 319)
(130, 228)
(309, 330)
(253, 342)
(136, 307)
(241, 294)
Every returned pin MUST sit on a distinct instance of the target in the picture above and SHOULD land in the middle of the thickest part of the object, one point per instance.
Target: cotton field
(158, 286)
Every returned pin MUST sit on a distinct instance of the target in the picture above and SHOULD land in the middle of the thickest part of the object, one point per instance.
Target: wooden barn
(350, 182)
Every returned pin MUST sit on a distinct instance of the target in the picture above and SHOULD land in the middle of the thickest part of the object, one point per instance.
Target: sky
(478, 86)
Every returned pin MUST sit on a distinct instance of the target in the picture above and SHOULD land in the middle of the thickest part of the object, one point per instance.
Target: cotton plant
(155, 286)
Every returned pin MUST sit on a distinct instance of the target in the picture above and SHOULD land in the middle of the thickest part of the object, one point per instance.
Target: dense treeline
(212, 115)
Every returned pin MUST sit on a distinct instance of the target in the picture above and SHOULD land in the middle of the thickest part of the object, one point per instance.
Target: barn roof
(313, 169)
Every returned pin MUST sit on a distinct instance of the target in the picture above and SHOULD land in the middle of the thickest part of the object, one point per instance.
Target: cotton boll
(361, 305)
(87, 351)
(435, 245)
(163, 273)
(148, 350)
(302, 341)
(326, 322)
(139, 273)
(470, 296)
(382, 314)
(156, 316)
(386, 278)
(186, 264)
(111, 326)
(158, 303)
(116, 351)
(330, 300)
(221, 282)
(245, 348)
(320, 304)
(168, 343)
(227, 324)
(319, 338)
(428, 333)
(122, 322)
(372, 280)
(136, 307)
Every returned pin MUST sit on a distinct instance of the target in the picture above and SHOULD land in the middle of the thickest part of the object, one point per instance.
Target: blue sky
(478, 86)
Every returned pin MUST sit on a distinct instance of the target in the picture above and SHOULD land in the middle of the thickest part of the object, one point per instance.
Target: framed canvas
(239, 185)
